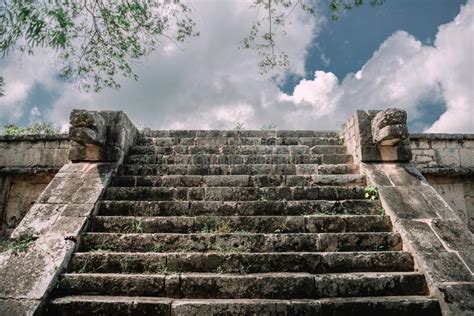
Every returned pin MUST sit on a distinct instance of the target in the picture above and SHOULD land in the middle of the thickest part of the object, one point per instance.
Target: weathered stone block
(83, 118)
(468, 144)
(235, 307)
(389, 127)
(444, 267)
(391, 135)
(74, 167)
(104, 135)
(78, 210)
(22, 192)
(370, 153)
(60, 190)
(84, 135)
(403, 174)
(466, 157)
(420, 144)
(424, 155)
(438, 144)
(28, 275)
(453, 193)
(407, 202)
(68, 226)
(397, 153)
(458, 298)
(85, 152)
(437, 203)
(39, 219)
(421, 237)
(379, 136)
(152, 306)
(454, 234)
(468, 258)
(448, 157)
(388, 117)
(18, 307)
(87, 195)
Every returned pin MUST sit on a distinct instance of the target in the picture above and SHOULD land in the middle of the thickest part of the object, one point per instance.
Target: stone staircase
(240, 223)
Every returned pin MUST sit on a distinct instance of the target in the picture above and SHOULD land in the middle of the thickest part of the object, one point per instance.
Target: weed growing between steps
(104, 246)
(238, 249)
(215, 226)
(340, 138)
(89, 267)
(158, 247)
(371, 192)
(282, 228)
(83, 268)
(160, 270)
(240, 270)
(322, 212)
(22, 242)
(136, 227)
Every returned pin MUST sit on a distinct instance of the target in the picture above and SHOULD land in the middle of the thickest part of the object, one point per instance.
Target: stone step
(238, 141)
(230, 224)
(337, 169)
(229, 159)
(237, 180)
(240, 208)
(262, 285)
(233, 193)
(239, 133)
(238, 149)
(239, 169)
(311, 262)
(152, 306)
(240, 242)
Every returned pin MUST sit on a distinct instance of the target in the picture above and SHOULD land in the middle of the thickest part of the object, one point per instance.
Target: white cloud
(22, 74)
(453, 65)
(209, 83)
(206, 83)
(405, 73)
(35, 115)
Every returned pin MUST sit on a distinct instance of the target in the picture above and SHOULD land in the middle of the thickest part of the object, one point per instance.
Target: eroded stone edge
(425, 251)
(30, 276)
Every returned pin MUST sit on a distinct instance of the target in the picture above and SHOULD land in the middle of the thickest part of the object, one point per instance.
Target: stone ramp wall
(431, 230)
(436, 234)
(53, 224)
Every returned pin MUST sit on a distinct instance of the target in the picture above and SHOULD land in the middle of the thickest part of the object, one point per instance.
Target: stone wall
(447, 162)
(20, 154)
(443, 153)
(21, 195)
(27, 165)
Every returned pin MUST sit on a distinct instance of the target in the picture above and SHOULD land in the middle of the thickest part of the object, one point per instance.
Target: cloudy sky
(413, 54)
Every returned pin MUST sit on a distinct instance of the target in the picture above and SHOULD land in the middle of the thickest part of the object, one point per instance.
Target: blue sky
(371, 58)
(350, 41)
